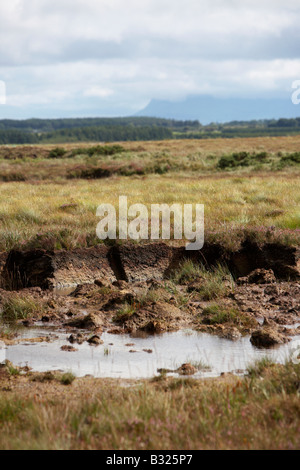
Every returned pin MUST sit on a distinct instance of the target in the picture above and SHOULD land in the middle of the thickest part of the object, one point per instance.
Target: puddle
(291, 327)
(64, 291)
(2, 352)
(116, 359)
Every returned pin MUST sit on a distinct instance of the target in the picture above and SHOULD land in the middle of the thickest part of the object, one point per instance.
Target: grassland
(260, 411)
(48, 199)
(52, 202)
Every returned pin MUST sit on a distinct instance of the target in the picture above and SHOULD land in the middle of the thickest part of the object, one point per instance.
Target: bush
(67, 378)
(90, 173)
(13, 177)
(291, 159)
(98, 150)
(241, 159)
(58, 152)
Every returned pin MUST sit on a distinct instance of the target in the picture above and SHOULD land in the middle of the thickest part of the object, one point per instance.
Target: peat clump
(143, 262)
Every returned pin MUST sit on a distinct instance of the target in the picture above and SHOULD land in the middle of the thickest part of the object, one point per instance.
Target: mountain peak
(209, 109)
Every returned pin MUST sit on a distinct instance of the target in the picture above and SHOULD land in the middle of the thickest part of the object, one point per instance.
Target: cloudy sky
(61, 58)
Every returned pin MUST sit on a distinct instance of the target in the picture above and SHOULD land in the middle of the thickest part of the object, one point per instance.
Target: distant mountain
(209, 109)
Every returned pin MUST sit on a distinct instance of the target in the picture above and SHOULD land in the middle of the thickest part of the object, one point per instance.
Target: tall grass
(60, 213)
(19, 307)
(183, 414)
(218, 314)
(211, 284)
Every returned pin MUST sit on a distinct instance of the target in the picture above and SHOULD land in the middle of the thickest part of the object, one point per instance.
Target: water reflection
(139, 356)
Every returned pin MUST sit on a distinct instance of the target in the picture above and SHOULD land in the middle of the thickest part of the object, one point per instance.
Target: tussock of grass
(230, 413)
(151, 296)
(259, 367)
(20, 307)
(178, 383)
(44, 377)
(67, 378)
(58, 219)
(210, 284)
(11, 409)
(200, 365)
(124, 313)
(187, 272)
(11, 369)
(218, 314)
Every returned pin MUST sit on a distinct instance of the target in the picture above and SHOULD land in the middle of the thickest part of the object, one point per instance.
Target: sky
(77, 58)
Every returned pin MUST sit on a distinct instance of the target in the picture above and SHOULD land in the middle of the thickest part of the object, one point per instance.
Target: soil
(127, 288)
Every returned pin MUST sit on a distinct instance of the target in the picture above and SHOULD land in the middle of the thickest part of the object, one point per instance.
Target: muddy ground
(134, 288)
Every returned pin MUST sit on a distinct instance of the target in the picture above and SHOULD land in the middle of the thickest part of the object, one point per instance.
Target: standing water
(124, 356)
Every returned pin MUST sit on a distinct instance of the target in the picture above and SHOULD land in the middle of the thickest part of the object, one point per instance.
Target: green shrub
(13, 177)
(58, 152)
(187, 272)
(217, 314)
(98, 150)
(124, 313)
(242, 159)
(67, 378)
(290, 159)
(90, 173)
(256, 370)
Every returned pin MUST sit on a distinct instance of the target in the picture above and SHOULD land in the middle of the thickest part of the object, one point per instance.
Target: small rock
(269, 322)
(272, 290)
(102, 282)
(186, 369)
(231, 333)
(120, 297)
(120, 284)
(27, 323)
(86, 322)
(267, 337)
(68, 348)
(95, 340)
(115, 331)
(79, 338)
(70, 314)
(261, 276)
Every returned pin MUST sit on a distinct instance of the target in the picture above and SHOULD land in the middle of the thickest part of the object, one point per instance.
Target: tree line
(39, 131)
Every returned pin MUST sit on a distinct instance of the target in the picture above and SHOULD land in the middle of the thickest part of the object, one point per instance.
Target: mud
(48, 269)
(127, 289)
(138, 262)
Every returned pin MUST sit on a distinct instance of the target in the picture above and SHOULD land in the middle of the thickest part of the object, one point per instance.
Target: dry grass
(47, 210)
(50, 210)
(178, 147)
(26, 163)
(63, 215)
(259, 412)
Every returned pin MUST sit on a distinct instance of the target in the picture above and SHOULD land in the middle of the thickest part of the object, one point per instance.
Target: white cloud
(111, 55)
(98, 92)
(2, 92)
